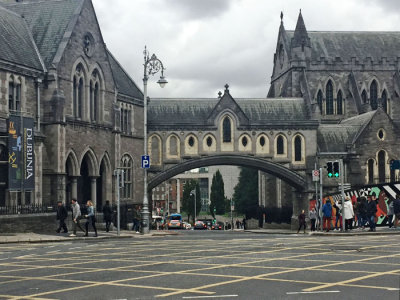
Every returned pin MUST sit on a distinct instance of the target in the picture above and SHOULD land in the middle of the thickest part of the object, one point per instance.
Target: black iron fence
(27, 209)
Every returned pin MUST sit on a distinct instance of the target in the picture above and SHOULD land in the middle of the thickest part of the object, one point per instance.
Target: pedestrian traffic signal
(329, 168)
(336, 170)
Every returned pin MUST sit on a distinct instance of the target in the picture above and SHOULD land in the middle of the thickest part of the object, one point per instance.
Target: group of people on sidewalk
(62, 215)
(361, 214)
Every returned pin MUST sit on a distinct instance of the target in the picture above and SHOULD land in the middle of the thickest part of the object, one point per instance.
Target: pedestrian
(136, 218)
(371, 211)
(107, 215)
(302, 221)
(348, 213)
(62, 214)
(91, 218)
(327, 211)
(337, 206)
(396, 210)
(312, 214)
(390, 212)
(362, 211)
(237, 224)
(76, 216)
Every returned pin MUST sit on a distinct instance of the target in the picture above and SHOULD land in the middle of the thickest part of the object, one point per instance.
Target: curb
(379, 233)
(269, 232)
(38, 241)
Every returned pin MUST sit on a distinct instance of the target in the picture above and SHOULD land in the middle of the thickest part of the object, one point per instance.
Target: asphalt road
(204, 265)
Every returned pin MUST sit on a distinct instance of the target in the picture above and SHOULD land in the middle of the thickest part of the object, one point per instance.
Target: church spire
(300, 37)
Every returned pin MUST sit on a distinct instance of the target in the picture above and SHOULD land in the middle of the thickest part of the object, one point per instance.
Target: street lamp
(152, 65)
(193, 193)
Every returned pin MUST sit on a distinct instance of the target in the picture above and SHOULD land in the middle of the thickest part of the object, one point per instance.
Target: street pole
(321, 225)
(231, 215)
(152, 66)
(193, 192)
(168, 198)
(341, 169)
(116, 173)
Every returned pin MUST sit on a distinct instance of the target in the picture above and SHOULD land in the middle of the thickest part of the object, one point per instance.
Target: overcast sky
(207, 43)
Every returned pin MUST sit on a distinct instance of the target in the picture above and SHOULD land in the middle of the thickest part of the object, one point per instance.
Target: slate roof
(334, 138)
(374, 44)
(124, 83)
(17, 45)
(48, 21)
(166, 112)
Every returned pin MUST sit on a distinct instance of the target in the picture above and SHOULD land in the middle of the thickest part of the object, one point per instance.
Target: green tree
(188, 199)
(245, 195)
(217, 196)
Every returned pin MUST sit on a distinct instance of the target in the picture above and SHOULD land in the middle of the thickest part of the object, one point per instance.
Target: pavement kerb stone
(332, 233)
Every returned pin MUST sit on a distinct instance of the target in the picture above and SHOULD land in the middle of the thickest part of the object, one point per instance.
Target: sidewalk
(7, 238)
(379, 231)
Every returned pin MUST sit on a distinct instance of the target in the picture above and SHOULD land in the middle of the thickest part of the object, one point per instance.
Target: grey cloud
(200, 9)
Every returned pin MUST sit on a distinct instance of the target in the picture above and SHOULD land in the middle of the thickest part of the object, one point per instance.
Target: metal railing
(27, 209)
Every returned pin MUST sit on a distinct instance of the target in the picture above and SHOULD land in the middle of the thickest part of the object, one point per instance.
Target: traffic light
(336, 169)
(329, 168)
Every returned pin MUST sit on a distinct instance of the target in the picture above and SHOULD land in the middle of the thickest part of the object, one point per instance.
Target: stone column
(93, 186)
(178, 196)
(74, 187)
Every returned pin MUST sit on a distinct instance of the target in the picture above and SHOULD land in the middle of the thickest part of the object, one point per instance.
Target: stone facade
(88, 112)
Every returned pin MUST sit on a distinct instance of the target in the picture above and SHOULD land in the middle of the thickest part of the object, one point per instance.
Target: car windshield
(176, 218)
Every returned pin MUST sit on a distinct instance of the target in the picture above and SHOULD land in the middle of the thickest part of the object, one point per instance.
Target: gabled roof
(336, 137)
(48, 21)
(17, 45)
(190, 112)
(374, 44)
(124, 83)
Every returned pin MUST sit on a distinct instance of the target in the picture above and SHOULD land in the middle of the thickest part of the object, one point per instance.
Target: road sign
(145, 161)
(315, 175)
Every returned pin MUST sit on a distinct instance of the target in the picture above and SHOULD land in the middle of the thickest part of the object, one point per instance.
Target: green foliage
(188, 200)
(245, 196)
(217, 196)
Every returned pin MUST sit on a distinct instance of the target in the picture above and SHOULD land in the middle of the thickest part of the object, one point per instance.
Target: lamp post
(193, 193)
(152, 65)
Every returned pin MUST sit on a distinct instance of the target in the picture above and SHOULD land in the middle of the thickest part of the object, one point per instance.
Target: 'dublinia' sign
(21, 155)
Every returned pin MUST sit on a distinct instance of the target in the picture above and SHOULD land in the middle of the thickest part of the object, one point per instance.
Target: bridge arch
(294, 179)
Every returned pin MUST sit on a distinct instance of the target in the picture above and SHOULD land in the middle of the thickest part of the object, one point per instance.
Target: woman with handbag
(90, 219)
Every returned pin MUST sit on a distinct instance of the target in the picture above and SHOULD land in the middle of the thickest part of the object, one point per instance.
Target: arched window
(127, 167)
(319, 100)
(339, 102)
(155, 150)
(371, 164)
(392, 173)
(94, 96)
(78, 92)
(227, 130)
(329, 98)
(364, 97)
(382, 166)
(280, 145)
(173, 145)
(373, 93)
(297, 149)
(385, 102)
(14, 94)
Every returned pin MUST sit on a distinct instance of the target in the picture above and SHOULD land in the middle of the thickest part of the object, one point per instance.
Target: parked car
(187, 225)
(175, 222)
(200, 225)
(208, 223)
(218, 226)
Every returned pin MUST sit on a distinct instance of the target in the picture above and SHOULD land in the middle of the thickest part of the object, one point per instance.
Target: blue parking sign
(145, 161)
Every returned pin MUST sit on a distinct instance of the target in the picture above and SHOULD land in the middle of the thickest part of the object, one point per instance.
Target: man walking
(371, 211)
(107, 215)
(76, 216)
(313, 218)
(62, 214)
(327, 211)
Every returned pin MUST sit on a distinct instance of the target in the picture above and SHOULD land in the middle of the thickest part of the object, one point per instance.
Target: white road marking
(316, 292)
(393, 289)
(205, 297)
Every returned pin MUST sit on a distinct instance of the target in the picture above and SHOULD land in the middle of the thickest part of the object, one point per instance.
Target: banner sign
(14, 153)
(28, 154)
(21, 157)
